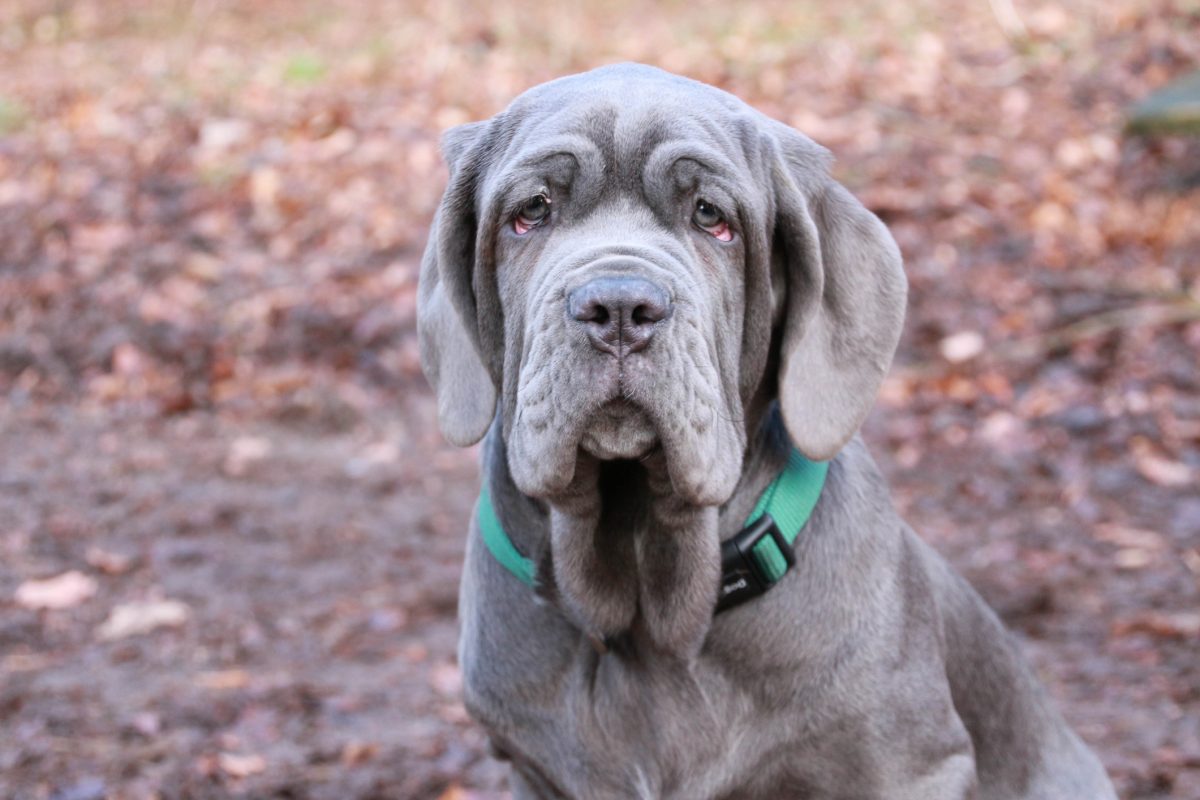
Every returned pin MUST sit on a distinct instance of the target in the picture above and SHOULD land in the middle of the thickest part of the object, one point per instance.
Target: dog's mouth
(619, 430)
(668, 399)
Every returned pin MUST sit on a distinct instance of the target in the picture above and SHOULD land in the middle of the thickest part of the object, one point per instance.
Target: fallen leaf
(108, 562)
(147, 723)
(24, 662)
(223, 134)
(453, 792)
(1133, 558)
(62, 591)
(127, 359)
(1157, 468)
(454, 713)
(1177, 625)
(131, 619)
(244, 452)
(356, 753)
(962, 346)
(224, 679)
(446, 679)
(1126, 536)
(241, 766)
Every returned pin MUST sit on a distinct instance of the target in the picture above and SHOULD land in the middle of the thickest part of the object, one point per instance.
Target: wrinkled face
(620, 268)
(619, 257)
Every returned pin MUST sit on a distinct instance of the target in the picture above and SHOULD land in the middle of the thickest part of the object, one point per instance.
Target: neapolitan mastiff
(666, 317)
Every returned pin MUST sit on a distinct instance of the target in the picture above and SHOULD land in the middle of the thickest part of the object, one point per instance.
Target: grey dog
(645, 294)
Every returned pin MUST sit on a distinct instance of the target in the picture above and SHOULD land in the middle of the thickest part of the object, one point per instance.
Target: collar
(751, 562)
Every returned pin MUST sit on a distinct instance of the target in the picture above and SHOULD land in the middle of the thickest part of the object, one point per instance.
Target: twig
(1184, 309)
(1097, 325)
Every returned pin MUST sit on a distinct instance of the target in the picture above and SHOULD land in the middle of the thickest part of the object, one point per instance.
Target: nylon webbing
(789, 500)
(499, 544)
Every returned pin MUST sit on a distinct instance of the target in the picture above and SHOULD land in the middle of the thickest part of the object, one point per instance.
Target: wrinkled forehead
(626, 122)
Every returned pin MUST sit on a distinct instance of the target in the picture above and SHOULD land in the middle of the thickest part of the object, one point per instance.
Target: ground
(230, 532)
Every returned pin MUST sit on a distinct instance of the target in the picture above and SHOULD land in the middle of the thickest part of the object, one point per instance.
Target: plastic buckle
(741, 577)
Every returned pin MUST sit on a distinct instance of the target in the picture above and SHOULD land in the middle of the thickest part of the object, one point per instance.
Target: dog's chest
(743, 720)
(617, 725)
(601, 726)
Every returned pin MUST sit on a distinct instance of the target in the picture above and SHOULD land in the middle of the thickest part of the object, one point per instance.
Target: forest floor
(230, 533)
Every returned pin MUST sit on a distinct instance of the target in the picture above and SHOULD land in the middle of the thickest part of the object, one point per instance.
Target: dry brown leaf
(356, 753)
(1176, 625)
(446, 679)
(1133, 558)
(131, 619)
(245, 452)
(1157, 468)
(1191, 558)
(109, 562)
(454, 792)
(238, 765)
(224, 679)
(962, 346)
(62, 591)
(1126, 536)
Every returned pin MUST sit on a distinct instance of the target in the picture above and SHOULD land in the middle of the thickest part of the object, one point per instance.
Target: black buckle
(741, 578)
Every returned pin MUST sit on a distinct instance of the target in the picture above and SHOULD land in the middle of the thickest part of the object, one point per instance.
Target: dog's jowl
(684, 576)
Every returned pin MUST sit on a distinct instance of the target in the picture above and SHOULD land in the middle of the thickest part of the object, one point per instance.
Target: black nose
(619, 313)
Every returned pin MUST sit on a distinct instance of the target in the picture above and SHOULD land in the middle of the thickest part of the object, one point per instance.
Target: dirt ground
(230, 532)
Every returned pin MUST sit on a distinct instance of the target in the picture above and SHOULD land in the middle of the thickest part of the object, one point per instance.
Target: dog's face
(620, 270)
(622, 254)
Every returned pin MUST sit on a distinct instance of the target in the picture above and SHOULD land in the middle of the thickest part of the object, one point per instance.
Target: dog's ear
(845, 303)
(447, 323)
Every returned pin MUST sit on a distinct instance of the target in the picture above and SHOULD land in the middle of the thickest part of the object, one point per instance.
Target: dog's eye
(535, 211)
(710, 219)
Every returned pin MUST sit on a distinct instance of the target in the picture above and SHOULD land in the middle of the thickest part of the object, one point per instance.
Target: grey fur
(871, 670)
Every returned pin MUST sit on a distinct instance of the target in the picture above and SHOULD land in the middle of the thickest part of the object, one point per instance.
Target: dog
(657, 305)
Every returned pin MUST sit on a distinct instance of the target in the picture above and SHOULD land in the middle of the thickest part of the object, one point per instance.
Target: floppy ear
(846, 294)
(446, 318)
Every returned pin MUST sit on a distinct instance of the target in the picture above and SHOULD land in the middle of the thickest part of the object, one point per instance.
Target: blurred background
(230, 532)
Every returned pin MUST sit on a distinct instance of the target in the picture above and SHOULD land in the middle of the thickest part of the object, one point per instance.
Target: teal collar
(751, 562)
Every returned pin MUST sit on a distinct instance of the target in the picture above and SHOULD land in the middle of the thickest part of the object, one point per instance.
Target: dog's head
(632, 260)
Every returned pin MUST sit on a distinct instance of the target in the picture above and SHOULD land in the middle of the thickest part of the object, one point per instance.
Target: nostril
(648, 313)
(584, 306)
